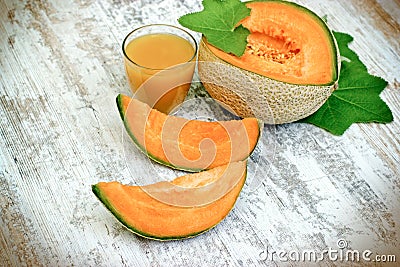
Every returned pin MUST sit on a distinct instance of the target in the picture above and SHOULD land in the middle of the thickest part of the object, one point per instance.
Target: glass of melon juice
(159, 62)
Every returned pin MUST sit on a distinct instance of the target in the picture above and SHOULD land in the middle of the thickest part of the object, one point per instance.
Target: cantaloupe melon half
(145, 215)
(288, 70)
(191, 145)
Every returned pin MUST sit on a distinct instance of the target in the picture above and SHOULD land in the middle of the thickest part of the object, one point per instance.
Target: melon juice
(160, 67)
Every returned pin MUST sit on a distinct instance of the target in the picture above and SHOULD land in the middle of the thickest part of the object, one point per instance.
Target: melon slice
(190, 145)
(288, 70)
(137, 208)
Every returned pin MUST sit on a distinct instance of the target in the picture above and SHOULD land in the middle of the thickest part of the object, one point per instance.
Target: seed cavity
(269, 53)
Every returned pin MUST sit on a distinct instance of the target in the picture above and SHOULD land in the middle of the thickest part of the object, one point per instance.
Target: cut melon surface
(289, 69)
(137, 209)
(190, 145)
(287, 42)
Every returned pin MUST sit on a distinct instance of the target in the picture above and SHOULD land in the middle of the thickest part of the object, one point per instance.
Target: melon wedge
(190, 145)
(137, 208)
(289, 69)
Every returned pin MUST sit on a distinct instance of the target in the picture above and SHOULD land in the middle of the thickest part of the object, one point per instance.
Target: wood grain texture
(60, 71)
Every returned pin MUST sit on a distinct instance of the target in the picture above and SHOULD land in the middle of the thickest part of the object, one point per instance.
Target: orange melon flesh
(286, 43)
(140, 212)
(187, 144)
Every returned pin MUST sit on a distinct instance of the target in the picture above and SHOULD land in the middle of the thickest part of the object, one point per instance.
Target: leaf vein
(358, 106)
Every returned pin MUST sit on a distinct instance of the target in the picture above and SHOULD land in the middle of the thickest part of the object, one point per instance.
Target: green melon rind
(155, 158)
(281, 106)
(141, 148)
(104, 200)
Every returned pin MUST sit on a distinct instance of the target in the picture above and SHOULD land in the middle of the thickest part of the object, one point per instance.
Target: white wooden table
(60, 71)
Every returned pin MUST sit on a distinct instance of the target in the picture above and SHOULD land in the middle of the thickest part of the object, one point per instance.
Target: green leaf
(218, 21)
(357, 97)
(343, 40)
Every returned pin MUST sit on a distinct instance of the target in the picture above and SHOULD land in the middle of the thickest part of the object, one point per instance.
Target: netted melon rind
(251, 94)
